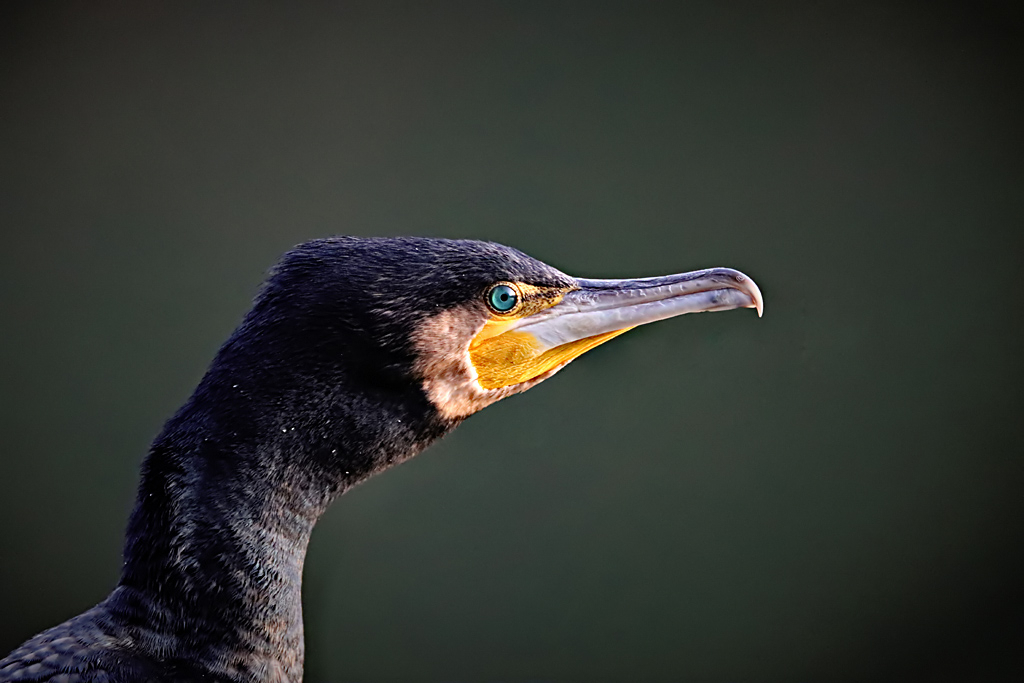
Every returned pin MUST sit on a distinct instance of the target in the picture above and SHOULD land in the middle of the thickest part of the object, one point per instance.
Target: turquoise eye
(502, 298)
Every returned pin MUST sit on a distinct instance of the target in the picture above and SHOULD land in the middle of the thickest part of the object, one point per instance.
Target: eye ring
(502, 297)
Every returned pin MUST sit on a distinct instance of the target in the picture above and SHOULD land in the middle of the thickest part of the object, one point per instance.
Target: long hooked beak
(599, 307)
(598, 310)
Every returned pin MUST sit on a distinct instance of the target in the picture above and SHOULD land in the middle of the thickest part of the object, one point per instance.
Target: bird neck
(229, 496)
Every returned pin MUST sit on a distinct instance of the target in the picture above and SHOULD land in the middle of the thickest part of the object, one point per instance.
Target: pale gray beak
(603, 306)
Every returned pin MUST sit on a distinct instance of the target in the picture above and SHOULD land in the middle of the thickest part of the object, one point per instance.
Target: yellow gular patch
(502, 360)
(504, 357)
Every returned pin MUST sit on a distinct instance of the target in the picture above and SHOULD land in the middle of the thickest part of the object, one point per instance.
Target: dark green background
(833, 492)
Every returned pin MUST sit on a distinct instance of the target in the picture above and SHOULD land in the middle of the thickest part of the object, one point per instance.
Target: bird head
(468, 322)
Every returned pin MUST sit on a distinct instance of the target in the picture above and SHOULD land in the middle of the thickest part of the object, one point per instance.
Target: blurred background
(833, 492)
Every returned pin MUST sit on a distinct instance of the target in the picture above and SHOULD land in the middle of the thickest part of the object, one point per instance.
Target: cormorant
(356, 355)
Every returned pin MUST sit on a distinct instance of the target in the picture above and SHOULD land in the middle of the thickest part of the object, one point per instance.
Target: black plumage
(312, 393)
(320, 386)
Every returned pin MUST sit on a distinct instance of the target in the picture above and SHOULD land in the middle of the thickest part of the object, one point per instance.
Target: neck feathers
(229, 496)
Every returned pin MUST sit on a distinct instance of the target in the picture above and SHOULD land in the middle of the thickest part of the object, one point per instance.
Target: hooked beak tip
(748, 287)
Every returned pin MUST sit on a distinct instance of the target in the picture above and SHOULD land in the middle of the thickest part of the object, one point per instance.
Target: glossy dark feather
(314, 392)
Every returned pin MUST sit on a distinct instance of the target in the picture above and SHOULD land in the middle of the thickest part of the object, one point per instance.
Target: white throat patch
(444, 366)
